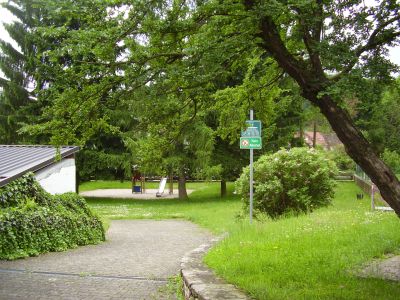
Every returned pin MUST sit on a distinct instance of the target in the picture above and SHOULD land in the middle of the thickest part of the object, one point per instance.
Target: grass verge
(311, 256)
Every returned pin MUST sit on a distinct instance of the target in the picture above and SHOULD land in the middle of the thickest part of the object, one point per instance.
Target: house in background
(56, 172)
(327, 141)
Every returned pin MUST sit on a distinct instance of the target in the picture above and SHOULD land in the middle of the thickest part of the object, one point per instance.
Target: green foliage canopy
(107, 51)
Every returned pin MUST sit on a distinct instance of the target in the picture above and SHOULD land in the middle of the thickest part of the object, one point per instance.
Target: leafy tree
(100, 76)
(229, 160)
(392, 158)
(328, 54)
(176, 141)
(28, 73)
(15, 64)
(325, 51)
(382, 124)
(353, 48)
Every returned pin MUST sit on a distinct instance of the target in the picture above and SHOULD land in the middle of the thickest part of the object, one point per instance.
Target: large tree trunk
(360, 150)
(182, 185)
(313, 82)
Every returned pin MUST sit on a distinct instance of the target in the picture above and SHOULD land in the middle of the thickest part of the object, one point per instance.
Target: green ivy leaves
(32, 221)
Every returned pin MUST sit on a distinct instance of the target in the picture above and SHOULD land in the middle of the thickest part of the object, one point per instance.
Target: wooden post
(372, 197)
(314, 144)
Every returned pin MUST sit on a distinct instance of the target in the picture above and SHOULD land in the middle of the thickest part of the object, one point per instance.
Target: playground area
(148, 194)
(138, 190)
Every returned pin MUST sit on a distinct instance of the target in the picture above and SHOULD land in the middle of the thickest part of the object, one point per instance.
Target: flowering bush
(295, 181)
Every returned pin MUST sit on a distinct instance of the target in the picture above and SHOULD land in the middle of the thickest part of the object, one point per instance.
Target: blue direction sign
(253, 129)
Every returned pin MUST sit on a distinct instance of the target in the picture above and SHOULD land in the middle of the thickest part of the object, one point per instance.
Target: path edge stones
(200, 283)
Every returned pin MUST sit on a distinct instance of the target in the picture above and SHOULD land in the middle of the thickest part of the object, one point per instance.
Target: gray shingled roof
(16, 160)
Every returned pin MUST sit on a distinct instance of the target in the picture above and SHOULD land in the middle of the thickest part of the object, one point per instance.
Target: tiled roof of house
(327, 141)
(16, 160)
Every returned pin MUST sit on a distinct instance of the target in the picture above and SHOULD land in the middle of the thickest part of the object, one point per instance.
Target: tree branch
(273, 43)
(171, 58)
(311, 34)
(375, 40)
(311, 41)
(319, 23)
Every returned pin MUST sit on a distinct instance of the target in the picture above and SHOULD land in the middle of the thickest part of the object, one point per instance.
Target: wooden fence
(370, 189)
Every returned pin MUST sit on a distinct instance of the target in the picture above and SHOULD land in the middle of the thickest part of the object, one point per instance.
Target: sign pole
(251, 138)
(251, 176)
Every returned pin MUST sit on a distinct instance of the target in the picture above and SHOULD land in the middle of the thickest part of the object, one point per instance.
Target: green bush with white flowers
(32, 221)
(289, 182)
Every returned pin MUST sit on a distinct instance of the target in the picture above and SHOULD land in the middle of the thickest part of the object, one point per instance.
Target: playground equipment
(161, 187)
(138, 182)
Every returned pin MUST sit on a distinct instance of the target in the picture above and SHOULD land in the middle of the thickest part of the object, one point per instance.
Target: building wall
(58, 178)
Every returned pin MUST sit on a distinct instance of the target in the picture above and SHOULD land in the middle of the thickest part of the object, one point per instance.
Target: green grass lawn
(104, 184)
(115, 184)
(204, 207)
(307, 257)
(313, 256)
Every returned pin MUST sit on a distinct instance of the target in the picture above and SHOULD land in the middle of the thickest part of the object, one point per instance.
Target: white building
(56, 172)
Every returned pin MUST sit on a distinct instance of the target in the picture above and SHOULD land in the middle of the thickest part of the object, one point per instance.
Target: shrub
(392, 159)
(32, 221)
(343, 161)
(18, 192)
(295, 181)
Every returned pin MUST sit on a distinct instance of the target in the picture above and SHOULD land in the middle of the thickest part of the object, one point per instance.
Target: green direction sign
(253, 129)
(250, 143)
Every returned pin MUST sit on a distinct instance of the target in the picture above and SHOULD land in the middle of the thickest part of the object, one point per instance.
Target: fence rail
(370, 189)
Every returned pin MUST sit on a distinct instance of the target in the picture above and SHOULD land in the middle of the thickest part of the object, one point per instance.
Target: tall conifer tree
(14, 64)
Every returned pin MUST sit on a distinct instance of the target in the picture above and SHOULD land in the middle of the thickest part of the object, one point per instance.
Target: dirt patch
(388, 268)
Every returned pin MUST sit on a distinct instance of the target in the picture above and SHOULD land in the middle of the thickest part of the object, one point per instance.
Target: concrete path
(134, 263)
(127, 193)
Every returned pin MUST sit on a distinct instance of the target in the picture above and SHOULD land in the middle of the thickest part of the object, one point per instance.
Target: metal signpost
(251, 139)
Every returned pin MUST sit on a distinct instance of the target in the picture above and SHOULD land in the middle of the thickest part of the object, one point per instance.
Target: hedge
(32, 221)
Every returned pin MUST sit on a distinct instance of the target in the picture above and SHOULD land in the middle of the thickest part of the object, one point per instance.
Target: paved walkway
(134, 263)
(127, 193)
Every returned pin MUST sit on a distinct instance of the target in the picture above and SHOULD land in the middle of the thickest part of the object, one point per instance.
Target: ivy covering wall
(33, 221)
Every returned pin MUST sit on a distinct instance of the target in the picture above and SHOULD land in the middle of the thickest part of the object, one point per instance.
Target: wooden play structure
(138, 182)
